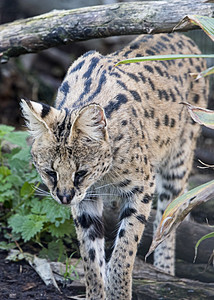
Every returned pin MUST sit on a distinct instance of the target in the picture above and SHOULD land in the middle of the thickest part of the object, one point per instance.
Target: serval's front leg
(134, 215)
(89, 227)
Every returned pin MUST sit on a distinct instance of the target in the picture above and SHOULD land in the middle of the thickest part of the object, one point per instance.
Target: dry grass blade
(206, 23)
(178, 209)
(200, 115)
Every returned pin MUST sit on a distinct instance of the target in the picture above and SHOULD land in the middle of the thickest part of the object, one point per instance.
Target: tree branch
(65, 26)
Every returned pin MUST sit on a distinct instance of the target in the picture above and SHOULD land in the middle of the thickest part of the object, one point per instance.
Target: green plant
(70, 269)
(31, 218)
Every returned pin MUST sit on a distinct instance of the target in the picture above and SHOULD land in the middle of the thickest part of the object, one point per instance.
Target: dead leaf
(200, 115)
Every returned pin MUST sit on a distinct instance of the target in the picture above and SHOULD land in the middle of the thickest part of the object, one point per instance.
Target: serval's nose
(66, 197)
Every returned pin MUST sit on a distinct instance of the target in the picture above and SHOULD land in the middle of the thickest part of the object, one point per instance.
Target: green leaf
(15, 180)
(5, 187)
(36, 207)
(5, 129)
(55, 251)
(54, 211)
(23, 154)
(31, 227)
(207, 236)
(163, 57)
(27, 189)
(17, 138)
(16, 221)
(7, 246)
(65, 228)
(5, 171)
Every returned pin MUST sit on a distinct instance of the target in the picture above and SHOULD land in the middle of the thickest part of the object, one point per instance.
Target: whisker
(102, 186)
(89, 199)
(100, 194)
(41, 192)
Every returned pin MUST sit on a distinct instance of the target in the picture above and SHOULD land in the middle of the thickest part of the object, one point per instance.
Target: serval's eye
(79, 176)
(51, 173)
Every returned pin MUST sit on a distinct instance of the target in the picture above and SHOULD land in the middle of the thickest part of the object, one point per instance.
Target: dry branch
(151, 284)
(65, 26)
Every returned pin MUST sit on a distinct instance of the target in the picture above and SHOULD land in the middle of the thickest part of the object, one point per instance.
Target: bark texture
(65, 26)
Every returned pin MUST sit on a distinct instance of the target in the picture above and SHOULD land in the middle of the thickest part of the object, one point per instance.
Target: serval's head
(70, 150)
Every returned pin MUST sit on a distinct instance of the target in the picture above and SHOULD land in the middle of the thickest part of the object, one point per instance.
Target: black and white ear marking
(91, 121)
(37, 116)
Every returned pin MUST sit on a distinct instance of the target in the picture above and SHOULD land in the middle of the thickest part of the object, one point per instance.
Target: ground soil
(20, 282)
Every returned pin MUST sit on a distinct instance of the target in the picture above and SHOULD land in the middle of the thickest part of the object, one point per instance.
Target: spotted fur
(119, 133)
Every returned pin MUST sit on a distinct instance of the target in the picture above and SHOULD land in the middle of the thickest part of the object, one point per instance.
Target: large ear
(91, 122)
(39, 117)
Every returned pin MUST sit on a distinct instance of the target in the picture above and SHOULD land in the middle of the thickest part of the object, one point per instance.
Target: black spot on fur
(93, 64)
(165, 39)
(101, 82)
(61, 128)
(127, 53)
(158, 69)
(127, 212)
(124, 183)
(142, 77)
(95, 224)
(147, 95)
(164, 196)
(119, 137)
(137, 190)
(64, 88)
(77, 67)
(147, 198)
(115, 74)
(133, 76)
(146, 114)
(92, 254)
(136, 238)
(121, 233)
(172, 95)
(45, 110)
(196, 98)
(134, 112)
(115, 105)
(134, 46)
(141, 218)
(169, 187)
(122, 84)
(151, 84)
(136, 96)
(198, 69)
(172, 124)
(149, 68)
(150, 52)
(166, 120)
(157, 123)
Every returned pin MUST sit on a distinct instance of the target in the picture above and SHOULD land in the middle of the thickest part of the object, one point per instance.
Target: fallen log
(151, 284)
(65, 26)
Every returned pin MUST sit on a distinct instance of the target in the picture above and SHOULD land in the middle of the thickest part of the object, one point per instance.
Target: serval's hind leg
(171, 181)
